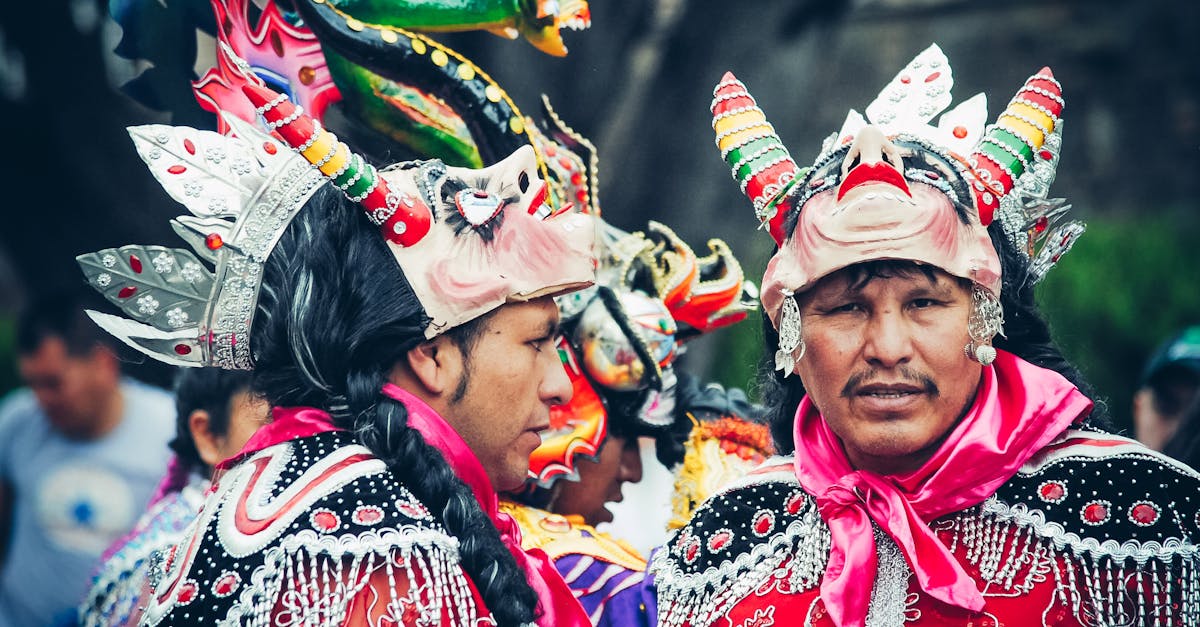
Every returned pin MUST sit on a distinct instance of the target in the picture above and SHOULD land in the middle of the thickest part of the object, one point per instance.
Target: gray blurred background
(639, 84)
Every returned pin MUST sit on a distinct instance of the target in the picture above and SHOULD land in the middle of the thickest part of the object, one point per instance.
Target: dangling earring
(985, 321)
(789, 336)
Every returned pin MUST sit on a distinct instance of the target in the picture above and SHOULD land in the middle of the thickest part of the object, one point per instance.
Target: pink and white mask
(870, 211)
(492, 239)
(893, 185)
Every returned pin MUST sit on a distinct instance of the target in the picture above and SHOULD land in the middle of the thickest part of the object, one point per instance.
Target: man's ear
(202, 436)
(436, 365)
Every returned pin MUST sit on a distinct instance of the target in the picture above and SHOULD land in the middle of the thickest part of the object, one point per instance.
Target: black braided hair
(1027, 335)
(334, 316)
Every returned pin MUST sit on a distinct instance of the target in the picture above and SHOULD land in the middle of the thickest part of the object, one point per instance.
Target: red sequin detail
(1053, 491)
(719, 540)
(213, 241)
(932, 77)
(226, 584)
(189, 146)
(763, 523)
(270, 148)
(960, 131)
(905, 79)
(367, 515)
(794, 503)
(1046, 154)
(187, 592)
(176, 169)
(1144, 513)
(693, 548)
(1040, 224)
(127, 291)
(183, 349)
(325, 520)
(931, 175)
(135, 263)
(1095, 513)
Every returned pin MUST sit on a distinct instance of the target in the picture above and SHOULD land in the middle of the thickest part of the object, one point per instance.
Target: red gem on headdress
(932, 77)
(719, 540)
(764, 522)
(905, 79)
(127, 291)
(270, 148)
(794, 502)
(931, 175)
(183, 349)
(213, 241)
(1046, 154)
(135, 263)
(960, 131)
(549, 150)
(189, 146)
(1040, 224)
(226, 584)
(177, 169)
(367, 515)
(692, 551)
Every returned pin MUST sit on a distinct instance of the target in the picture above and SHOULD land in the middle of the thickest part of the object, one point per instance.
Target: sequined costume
(118, 588)
(1016, 508)
(1092, 529)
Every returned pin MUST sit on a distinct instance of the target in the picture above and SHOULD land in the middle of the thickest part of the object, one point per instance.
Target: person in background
(1165, 404)
(620, 344)
(81, 451)
(215, 414)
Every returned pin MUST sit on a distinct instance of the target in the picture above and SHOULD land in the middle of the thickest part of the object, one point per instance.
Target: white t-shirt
(72, 499)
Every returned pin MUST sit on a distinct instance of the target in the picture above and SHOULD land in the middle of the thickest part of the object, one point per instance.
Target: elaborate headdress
(466, 240)
(893, 186)
(623, 336)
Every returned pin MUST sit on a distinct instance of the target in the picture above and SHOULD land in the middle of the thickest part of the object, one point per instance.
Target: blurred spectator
(1165, 406)
(215, 414)
(81, 451)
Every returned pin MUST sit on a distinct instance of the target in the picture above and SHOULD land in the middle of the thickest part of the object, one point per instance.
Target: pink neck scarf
(1019, 409)
(556, 603)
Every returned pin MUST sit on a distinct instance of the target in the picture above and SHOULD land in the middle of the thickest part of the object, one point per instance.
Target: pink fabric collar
(556, 603)
(1019, 409)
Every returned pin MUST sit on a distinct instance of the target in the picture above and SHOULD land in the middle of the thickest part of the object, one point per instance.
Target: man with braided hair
(407, 355)
(938, 472)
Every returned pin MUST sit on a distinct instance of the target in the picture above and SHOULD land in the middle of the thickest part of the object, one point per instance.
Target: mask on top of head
(893, 186)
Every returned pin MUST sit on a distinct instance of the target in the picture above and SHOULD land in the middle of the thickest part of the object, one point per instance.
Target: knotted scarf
(1019, 408)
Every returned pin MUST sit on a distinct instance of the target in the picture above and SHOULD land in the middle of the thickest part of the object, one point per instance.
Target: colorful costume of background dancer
(930, 484)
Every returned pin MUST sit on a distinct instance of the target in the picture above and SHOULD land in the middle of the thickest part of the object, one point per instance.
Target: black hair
(1026, 335)
(334, 315)
(61, 315)
(211, 390)
(1184, 445)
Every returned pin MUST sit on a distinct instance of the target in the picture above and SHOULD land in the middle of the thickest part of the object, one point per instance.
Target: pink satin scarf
(1019, 409)
(556, 603)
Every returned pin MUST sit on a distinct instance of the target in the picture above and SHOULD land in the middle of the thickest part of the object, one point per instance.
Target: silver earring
(985, 321)
(789, 336)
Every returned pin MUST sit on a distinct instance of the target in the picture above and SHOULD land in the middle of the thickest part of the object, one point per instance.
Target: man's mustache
(908, 376)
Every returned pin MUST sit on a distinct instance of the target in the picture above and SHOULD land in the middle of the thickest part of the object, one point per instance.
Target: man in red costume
(401, 325)
(940, 470)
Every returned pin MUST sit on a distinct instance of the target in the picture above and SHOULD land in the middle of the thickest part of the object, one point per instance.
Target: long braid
(381, 424)
(334, 316)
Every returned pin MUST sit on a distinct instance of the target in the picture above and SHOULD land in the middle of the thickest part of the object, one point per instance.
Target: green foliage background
(1128, 284)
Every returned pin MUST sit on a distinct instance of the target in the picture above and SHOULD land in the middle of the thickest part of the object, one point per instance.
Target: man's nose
(556, 386)
(889, 340)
